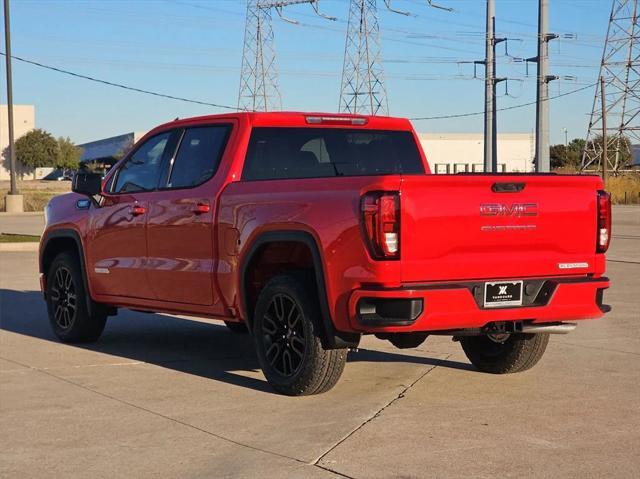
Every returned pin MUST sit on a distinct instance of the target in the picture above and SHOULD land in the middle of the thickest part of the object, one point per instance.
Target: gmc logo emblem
(516, 209)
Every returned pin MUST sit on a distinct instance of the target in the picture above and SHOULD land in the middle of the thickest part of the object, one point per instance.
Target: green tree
(567, 156)
(68, 154)
(37, 149)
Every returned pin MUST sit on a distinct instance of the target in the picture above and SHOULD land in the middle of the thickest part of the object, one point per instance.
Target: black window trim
(176, 135)
(171, 161)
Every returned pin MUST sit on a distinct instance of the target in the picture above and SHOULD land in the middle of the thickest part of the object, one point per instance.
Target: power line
(119, 85)
(522, 105)
(217, 105)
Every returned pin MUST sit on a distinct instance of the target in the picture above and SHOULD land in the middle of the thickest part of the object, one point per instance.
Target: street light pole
(15, 203)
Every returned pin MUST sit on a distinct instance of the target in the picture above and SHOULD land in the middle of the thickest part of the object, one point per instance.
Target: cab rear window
(280, 153)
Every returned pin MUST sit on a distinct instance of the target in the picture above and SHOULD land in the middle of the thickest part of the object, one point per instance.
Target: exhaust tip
(550, 328)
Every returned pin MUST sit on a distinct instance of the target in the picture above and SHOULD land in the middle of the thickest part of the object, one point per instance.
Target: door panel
(118, 238)
(180, 248)
(117, 247)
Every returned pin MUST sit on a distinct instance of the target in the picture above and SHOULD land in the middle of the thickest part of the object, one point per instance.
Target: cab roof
(299, 119)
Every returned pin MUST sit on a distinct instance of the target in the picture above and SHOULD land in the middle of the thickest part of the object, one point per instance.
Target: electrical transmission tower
(259, 73)
(362, 89)
(619, 112)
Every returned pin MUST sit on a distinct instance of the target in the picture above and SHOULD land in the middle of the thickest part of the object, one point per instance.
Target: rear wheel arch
(305, 256)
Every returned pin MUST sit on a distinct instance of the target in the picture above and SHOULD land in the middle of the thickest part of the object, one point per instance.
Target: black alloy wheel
(68, 304)
(64, 299)
(283, 334)
(287, 331)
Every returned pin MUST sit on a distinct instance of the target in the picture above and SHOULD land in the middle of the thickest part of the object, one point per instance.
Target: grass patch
(12, 238)
(624, 189)
(36, 193)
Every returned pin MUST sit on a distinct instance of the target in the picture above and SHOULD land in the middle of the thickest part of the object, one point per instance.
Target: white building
(464, 152)
(24, 120)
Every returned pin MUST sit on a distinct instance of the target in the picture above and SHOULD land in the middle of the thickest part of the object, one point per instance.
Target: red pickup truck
(310, 230)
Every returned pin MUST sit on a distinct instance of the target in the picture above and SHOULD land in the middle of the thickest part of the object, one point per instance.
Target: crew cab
(309, 230)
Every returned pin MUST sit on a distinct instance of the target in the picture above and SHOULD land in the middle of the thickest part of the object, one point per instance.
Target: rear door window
(278, 153)
(198, 156)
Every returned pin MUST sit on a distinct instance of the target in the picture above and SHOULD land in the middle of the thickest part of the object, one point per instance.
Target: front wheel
(286, 329)
(67, 302)
(500, 355)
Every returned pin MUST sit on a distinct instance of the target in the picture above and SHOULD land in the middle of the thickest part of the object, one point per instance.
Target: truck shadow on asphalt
(185, 345)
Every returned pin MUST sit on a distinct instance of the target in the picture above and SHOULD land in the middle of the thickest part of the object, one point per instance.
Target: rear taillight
(604, 222)
(381, 224)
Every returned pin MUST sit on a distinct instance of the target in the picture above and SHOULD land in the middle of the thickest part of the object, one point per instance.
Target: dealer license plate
(503, 294)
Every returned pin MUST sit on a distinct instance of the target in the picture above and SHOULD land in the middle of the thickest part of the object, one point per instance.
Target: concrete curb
(19, 247)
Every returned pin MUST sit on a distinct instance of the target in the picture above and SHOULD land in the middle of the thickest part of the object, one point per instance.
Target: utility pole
(542, 100)
(14, 199)
(490, 82)
(605, 159)
(490, 134)
(620, 76)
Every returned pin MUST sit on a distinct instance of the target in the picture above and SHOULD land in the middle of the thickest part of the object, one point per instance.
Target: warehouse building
(449, 153)
(108, 150)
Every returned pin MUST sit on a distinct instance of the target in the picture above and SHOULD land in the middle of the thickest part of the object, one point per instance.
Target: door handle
(137, 210)
(201, 207)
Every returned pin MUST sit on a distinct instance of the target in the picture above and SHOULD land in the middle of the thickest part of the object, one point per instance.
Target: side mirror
(89, 184)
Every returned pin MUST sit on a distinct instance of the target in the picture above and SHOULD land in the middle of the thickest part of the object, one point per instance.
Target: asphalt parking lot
(162, 396)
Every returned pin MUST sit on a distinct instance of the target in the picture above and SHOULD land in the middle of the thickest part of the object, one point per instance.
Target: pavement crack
(155, 413)
(622, 261)
(339, 474)
(399, 396)
(586, 346)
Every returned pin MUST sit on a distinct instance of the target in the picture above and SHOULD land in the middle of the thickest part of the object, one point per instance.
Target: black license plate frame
(503, 294)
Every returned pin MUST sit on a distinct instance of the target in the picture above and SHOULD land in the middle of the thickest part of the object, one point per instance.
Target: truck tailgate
(460, 227)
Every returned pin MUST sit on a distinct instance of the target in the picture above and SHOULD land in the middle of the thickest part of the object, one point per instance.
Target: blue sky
(192, 48)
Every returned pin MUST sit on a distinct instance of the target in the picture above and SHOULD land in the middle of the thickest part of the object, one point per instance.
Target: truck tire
(517, 353)
(236, 328)
(67, 302)
(287, 334)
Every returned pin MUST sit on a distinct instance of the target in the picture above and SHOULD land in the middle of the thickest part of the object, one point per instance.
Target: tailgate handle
(507, 187)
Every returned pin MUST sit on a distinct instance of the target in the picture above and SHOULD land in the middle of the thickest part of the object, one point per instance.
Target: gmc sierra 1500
(309, 230)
